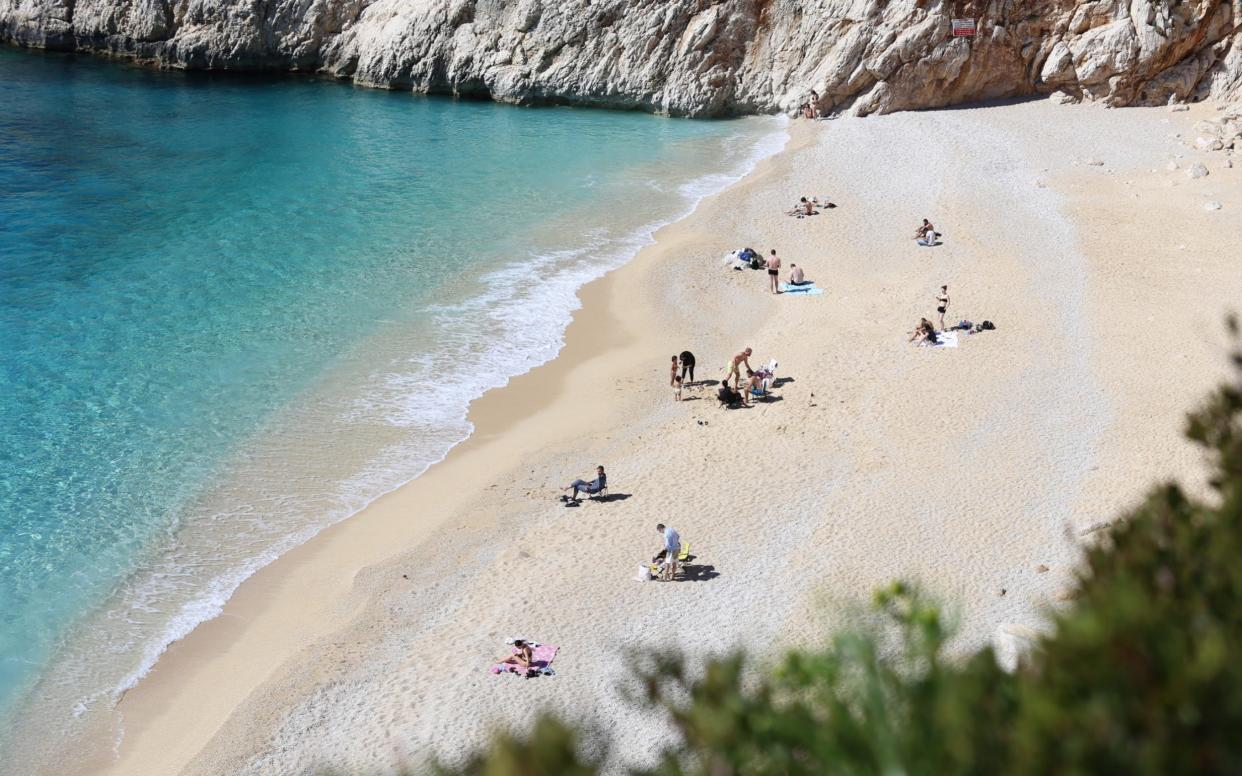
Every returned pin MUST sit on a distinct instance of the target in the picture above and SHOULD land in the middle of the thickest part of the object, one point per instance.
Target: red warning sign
(963, 28)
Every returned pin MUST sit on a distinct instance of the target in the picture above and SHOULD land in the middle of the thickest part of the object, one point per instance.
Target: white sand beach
(961, 469)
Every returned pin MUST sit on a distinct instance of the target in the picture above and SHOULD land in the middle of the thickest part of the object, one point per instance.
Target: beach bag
(987, 326)
(644, 573)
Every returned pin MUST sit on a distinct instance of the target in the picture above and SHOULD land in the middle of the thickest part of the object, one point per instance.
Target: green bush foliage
(1141, 674)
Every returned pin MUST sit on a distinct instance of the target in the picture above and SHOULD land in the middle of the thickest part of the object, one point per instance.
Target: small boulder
(1095, 162)
(1212, 206)
(1196, 170)
(1066, 594)
(1041, 569)
(1171, 166)
(1178, 108)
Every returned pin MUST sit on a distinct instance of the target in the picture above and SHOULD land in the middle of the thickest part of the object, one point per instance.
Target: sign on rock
(963, 28)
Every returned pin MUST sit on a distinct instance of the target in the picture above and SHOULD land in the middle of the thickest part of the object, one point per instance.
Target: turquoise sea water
(234, 311)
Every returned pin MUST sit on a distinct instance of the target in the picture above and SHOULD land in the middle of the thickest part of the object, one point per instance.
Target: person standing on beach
(942, 304)
(672, 375)
(735, 367)
(774, 271)
(672, 548)
(687, 366)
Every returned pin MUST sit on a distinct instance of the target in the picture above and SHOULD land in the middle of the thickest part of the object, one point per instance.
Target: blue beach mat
(806, 289)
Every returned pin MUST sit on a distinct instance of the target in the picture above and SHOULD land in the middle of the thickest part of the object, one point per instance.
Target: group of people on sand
(925, 332)
(684, 362)
(810, 108)
(925, 234)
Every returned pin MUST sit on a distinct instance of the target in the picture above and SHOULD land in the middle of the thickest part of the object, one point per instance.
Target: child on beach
(676, 387)
(672, 374)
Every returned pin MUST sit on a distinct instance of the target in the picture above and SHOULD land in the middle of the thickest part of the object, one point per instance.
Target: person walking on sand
(774, 271)
(942, 304)
(735, 367)
(687, 367)
(672, 548)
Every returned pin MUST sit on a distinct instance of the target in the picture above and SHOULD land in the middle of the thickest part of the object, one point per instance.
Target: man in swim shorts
(734, 367)
(774, 272)
(796, 275)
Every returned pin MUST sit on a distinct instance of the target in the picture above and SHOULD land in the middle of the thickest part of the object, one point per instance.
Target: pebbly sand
(963, 469)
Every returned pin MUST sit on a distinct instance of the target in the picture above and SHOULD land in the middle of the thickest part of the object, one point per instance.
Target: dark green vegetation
(1142, 674)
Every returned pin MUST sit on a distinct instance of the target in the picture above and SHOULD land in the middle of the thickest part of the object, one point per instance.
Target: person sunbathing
(796, 275)
(590, 488)
(924, 332)
(805, 207)
(925, 233)
(522, 660)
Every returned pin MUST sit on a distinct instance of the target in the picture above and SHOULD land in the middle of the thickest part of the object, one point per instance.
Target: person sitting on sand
(774, 272)
(925, 233)
(754, 382)
(672, 548)
(687, 366)
(727, 396)
(590, 488)
(734, 367)
(805, 207)
(796, 276)
(523, 659)
(925, 332)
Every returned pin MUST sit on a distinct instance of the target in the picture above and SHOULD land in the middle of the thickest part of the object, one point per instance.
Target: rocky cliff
(685, 57)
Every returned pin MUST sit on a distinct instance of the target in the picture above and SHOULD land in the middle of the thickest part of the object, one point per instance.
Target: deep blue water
(185, 261)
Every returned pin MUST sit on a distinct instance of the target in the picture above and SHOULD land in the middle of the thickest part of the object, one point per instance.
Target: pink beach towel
(542, 657)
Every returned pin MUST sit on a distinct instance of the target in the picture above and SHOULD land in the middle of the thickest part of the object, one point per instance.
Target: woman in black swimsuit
(942, 304)
(687, 365)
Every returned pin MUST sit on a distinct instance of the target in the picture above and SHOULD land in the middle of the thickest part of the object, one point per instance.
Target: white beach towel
(948, 339)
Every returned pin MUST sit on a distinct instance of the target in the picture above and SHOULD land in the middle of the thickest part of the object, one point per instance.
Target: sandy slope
(963, 468)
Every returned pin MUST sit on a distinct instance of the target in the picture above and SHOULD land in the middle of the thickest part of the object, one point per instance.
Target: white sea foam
(514, 324)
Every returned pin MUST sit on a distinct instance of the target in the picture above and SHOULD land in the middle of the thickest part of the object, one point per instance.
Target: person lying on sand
(589, 488)
(796, 276)
(522, 660)
(738, 360)
(925, 332)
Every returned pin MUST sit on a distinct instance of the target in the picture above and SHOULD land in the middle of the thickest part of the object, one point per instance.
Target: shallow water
(235, 311)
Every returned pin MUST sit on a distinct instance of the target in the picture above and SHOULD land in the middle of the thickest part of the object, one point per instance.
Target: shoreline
(270, 627)
(492, 416)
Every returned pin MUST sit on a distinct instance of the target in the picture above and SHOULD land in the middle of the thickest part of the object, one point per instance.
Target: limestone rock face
(685, 57)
